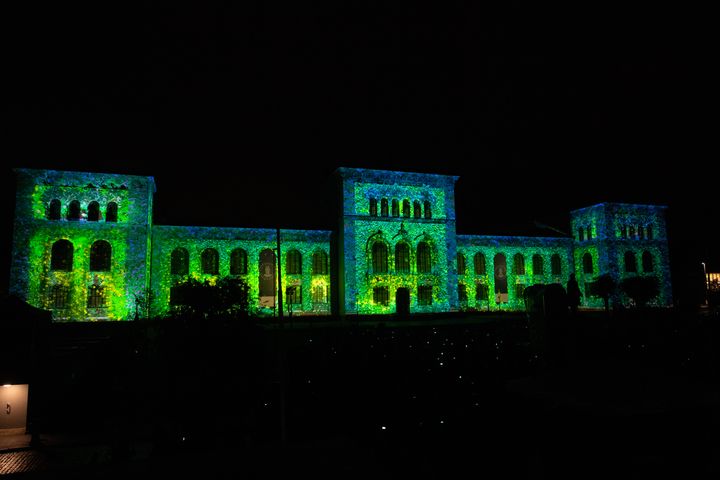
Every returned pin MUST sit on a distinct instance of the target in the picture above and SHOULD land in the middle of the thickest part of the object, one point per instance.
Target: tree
(144, 299)
(604, 288)
(641, 289)
(228, 296)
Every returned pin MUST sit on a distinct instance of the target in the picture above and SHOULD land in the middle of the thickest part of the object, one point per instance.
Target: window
(647, 262)
(93, 212)
(425, 295)
(179, 262)
(238, 262)
(395, 208)
(555, 265)
(519, 264)
(293, 263)
(581, 234)
(417, 213)
(649, 232)
(587, 262)
(293, 295)
(589, 233)
(623, 231)
(424, 264)
(641, 232)
(111, 215)
(381, 296)
(54, 210)
(631, 232)
(74, 211)
(479, 262)
(461, 264)
(373, 207)
(538, 265)
(319, 294)
(320, 263)
(402, 258)
(61, 257)
(462, 292)
(96, 297)
(100, 256)
(384, 207)
(482, 292)
(379, 258)
(210, 261)
(406, 208)
(630, 262)
(59, 296)
(519, 290)
(428, 209)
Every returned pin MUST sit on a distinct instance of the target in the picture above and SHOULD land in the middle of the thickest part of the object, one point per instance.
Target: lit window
(424, 264)
(519, 264)
(384, 207)
(96, 297)
(179, 262)
(425, 295)
(100, 256)
(379, 258)
(461, 264)
(395, 208)
(402, 258)
(293, 263)
(238, 262)
(373, 207)
(406, 208)
(381, 296)
(479, 263)
(320, 263)
(210, 261)
(427, 209)
(538, 265)
(59, 296)
(61, 257)
(417, 211)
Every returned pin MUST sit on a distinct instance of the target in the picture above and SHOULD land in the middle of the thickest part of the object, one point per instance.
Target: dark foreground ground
(634, 394)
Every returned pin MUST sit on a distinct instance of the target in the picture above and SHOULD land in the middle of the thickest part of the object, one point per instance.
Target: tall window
(417, 211)
(406, 208)
(587, 262)
(519, 264)
(589, 233)
(381, 296)
(293, 263)
(630, 262)
(482, 292)
(100, 256)
(210, 260)
(111, 214)
(319, 294)
(424, 264)
(538, 265)
(320, 263)
(647, 262)
(641, 232)
(581, 234)
(74, 211)
(54, 210)
(555, 265)
(373, 207)
(93, 212)
(61, 257)
(402, 258)
(238, 262)
(461, 264)
(623, 231)
(179, 262)
(59, 296)
(427, 208)
(96, 297)
(384, 207)
(425, 295)
(462, 292)
(379, 258)
(293, 295)
(631, 232)
(395, 208)
(649, 232)
(479, 263)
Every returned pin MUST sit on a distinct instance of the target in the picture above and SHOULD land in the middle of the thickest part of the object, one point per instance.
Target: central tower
(397, 242)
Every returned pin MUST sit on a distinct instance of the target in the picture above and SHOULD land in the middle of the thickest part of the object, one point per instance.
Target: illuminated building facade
(85, 248)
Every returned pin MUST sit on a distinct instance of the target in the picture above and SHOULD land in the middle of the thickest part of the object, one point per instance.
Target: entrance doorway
(402, 301)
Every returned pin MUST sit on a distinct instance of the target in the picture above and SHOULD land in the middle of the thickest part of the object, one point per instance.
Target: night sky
(254, 104)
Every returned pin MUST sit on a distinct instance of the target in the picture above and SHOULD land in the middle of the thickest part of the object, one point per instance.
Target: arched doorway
(267, 278)
(402, 301)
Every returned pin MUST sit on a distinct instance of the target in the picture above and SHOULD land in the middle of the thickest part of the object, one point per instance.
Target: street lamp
(705, 280)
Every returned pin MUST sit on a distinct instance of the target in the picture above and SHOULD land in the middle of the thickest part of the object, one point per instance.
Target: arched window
(589, 233)
(179, 262)
(395, 208)
(461, 264)
(538, 265)
(74, 211)
(100, 256)
(384, 207)
(462, 292)
(587, 262)
(647, 262)
(424, 264)
(293, 263)
(630, 262)
(417, 211)
(631, 232)
(54, 210)
(479, 263)
(379, 257)
(61, 257)
(581, 234)
(641, 232)
(623, 231)
(238, 262)
(96, 297)
(210, 260)
(111, 215)
(320, 262)
(519, 264)
(402, 258)
(427, 209)
(649, 232)
(555, 265)
(373, 207)
(93, 212)
(406, 208)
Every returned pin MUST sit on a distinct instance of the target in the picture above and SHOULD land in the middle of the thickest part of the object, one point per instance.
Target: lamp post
(706, 282)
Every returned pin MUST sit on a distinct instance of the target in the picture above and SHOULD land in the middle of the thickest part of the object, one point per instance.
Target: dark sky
(537, 111)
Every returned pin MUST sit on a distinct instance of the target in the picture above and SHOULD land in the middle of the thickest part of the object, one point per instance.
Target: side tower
(81, 242)
(397, 242)
(623, 240)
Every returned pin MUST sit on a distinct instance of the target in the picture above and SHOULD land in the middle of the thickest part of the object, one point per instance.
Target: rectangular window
(381, 295)
(319, 294)
(482, 292)
(59, 296)
(294, 295)
(462, 292)
(425, 294)
(96, 297)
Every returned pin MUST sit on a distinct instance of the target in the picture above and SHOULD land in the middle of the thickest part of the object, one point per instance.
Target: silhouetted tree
(228, 296)
(143, 302)
(604, 288)
(641, 289)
